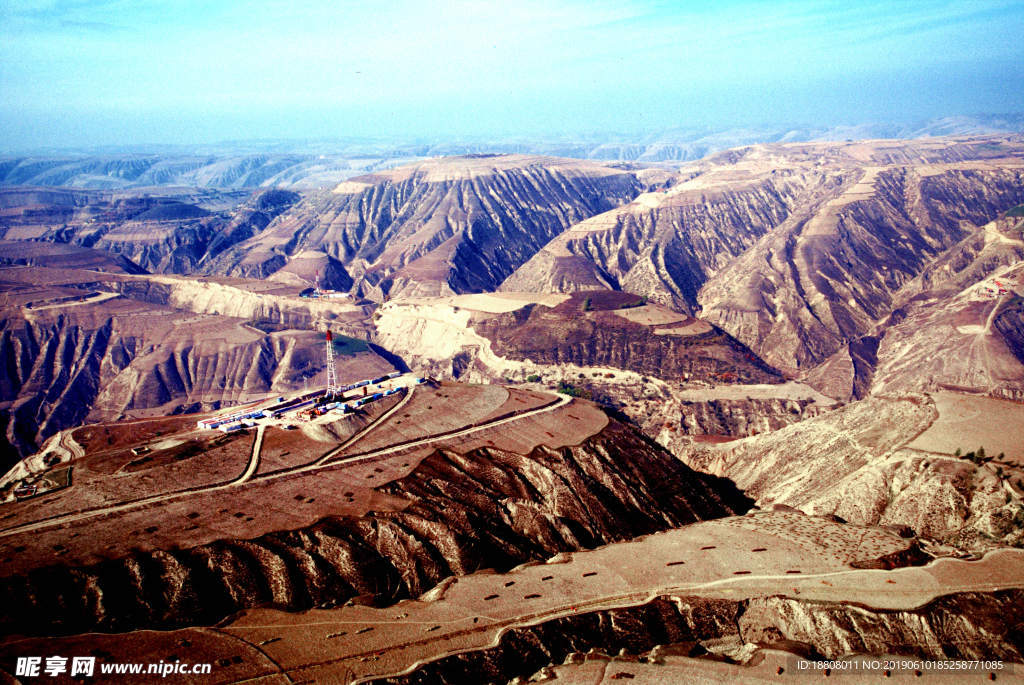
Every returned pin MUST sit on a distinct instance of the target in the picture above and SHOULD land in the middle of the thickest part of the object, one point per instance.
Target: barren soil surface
(282, 500)
(114, 477)
(449, 407)
(492, 303)
(758, 555)
(967, 422)
(791, 390)
(285, 449)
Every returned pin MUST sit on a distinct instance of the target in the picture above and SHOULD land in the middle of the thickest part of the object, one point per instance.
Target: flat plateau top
(492, 303)
(968, 422)
(119, 501)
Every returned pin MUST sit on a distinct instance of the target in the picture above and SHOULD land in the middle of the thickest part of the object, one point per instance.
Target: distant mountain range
(322, 164)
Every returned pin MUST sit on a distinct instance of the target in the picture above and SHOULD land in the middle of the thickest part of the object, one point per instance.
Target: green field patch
(346, 345)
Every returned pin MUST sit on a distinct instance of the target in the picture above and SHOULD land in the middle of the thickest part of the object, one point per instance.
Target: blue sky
(98, 72)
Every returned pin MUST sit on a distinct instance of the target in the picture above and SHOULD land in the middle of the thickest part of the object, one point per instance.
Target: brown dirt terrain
(754, 558)
(519, 399)
(301, 501)
(448, 407)
(433, 494)
(120, 476)
(109, 436)
(285, 449)
(967, 422)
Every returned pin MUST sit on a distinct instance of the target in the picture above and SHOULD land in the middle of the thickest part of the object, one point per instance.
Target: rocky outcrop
(743, 417)
(487, 508)
(959, 626)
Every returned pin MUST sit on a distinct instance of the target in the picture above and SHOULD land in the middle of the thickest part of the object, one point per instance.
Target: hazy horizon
(86, 74)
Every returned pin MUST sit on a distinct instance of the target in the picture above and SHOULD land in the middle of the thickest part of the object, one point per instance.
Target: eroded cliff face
(797, 251)
(663, 376)
(487, 508)
(88, 363)
(450, 225)
(166, 234)
(666, 245)
(826, 280)
(234, 301)
(449, 338)
(592, 330)
(743, 417)
(958, 626)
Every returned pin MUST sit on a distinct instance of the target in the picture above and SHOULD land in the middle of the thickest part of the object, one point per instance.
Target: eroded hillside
(85, 345)
(172, 231)
(890, 460)
(796, 250)
(449, 225)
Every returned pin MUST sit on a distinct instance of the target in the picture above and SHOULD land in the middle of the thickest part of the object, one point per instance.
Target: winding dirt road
(254, 463)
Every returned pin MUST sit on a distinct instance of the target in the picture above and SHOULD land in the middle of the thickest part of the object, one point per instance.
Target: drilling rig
(333, 388)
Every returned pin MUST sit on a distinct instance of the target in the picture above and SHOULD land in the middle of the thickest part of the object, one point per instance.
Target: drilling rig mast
(333, 388)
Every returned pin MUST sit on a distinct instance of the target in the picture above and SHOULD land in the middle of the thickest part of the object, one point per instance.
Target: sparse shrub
(571, 390)
(533, 378)
(957, 453)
